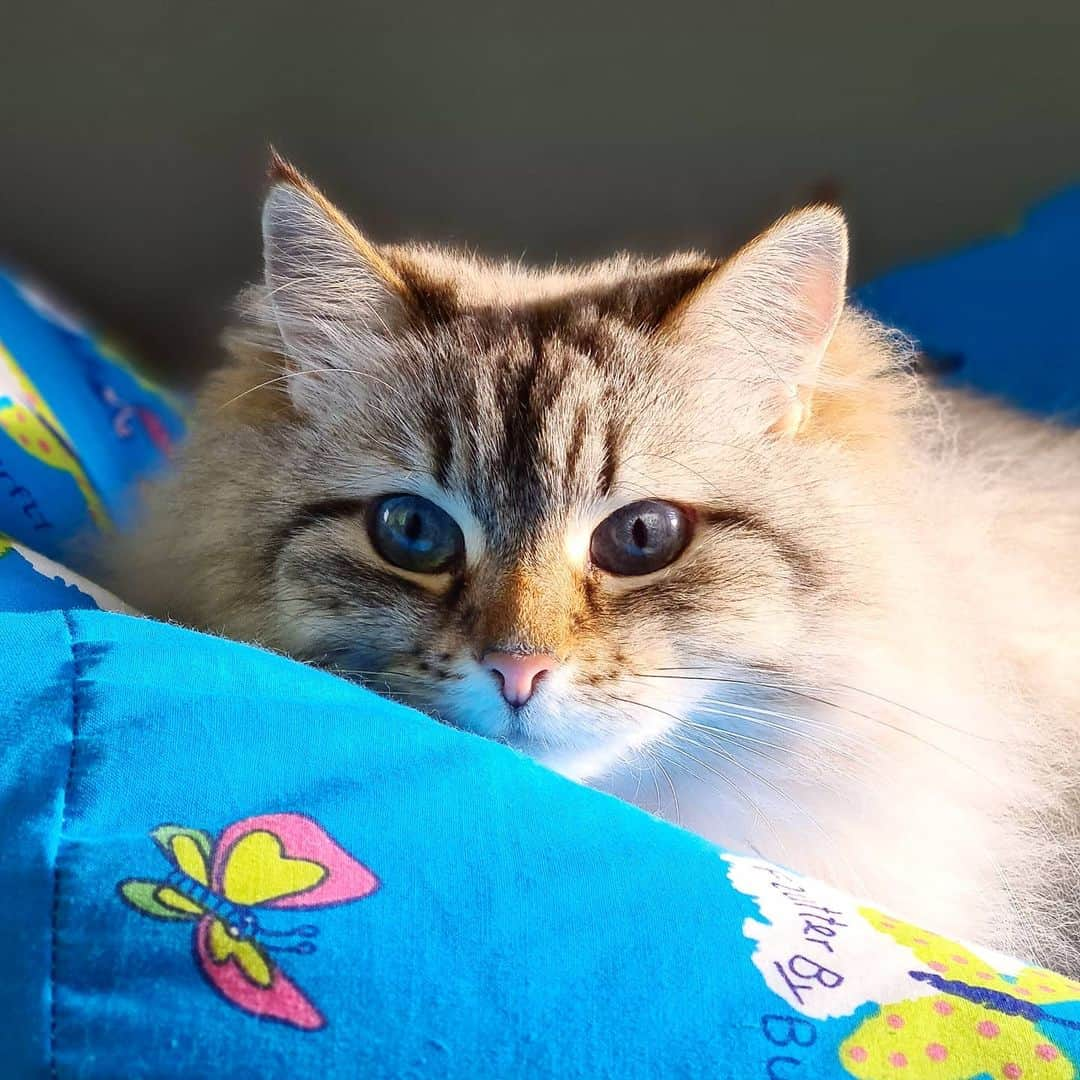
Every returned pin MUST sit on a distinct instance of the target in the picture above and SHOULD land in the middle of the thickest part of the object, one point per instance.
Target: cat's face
(546, 508)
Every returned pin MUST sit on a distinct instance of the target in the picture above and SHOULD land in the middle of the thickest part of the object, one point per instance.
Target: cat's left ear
(766, 316)
(333, 294)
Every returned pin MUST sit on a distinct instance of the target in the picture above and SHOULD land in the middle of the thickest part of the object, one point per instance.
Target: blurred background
(133, 133)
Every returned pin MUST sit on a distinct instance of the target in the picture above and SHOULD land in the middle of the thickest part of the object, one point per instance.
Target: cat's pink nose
(518, 673)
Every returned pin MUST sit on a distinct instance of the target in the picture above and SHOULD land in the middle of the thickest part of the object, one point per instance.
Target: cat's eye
(640, 538)
(415, 534)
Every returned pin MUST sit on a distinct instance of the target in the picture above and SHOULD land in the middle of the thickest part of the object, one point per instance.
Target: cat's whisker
(648, 753)
(928, 743)
(793, 771)
(639, 772)
(834, 848)
(778, 791)
(306, 371)
(809, 737)
(821, 732)
(728, 781)
(733, 760)
(674, 793)
(654, 757)
(1044, 827)
(753, 741)
(900, 705)
(754, 714)
(808, 720)
(656, 781)
(756, 711)
(755, 806)
(799, 690)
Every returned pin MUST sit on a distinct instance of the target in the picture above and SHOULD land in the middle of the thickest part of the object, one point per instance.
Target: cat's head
(548, 506)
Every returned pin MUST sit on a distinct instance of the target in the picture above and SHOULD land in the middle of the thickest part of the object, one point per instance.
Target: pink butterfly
(273, 861)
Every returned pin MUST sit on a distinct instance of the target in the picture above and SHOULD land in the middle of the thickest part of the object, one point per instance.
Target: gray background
(133, 132)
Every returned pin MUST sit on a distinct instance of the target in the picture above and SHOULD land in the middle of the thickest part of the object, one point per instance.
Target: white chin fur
(559, 727)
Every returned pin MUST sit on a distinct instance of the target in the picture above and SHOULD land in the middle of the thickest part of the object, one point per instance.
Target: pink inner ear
(823, 299)
(281, 1000)
(302, 838)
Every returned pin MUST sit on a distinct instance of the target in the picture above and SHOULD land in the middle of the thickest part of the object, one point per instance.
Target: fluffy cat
(690, 530)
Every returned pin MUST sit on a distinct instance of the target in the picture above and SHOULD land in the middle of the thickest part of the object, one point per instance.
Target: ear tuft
(281, 171)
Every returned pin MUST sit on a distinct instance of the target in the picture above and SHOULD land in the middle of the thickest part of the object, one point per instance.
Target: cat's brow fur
(863, 666)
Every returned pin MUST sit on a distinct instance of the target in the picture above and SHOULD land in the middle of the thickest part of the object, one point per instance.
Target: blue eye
(641, 538)
(415, 534)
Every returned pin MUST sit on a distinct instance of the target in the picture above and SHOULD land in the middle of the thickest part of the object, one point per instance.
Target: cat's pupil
(640, 533)
(413, 527)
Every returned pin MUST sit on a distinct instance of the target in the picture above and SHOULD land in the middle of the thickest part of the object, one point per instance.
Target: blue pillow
(1000, 315)
(78, 425)
(217, 861)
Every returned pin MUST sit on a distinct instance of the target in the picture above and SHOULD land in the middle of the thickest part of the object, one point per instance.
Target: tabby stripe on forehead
(577, 441)
(612, 446)
(521, 428)
(469, 410)
(441, 436)
(520, 417)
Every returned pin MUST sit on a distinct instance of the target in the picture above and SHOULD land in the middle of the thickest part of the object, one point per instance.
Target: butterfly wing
(186, 849)
(286, 861)
(947, 958)
(1043, 987)
(943, 1037)
(245, 976)
(157, 900)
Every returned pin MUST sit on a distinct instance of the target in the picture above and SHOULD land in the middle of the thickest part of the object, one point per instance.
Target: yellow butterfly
(273, 861)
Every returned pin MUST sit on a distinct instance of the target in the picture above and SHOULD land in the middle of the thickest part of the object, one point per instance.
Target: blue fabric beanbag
(218, 862)
(78, 425)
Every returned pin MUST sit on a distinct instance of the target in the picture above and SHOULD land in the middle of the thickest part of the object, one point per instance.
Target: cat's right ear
(333, 295)
(764, 318)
